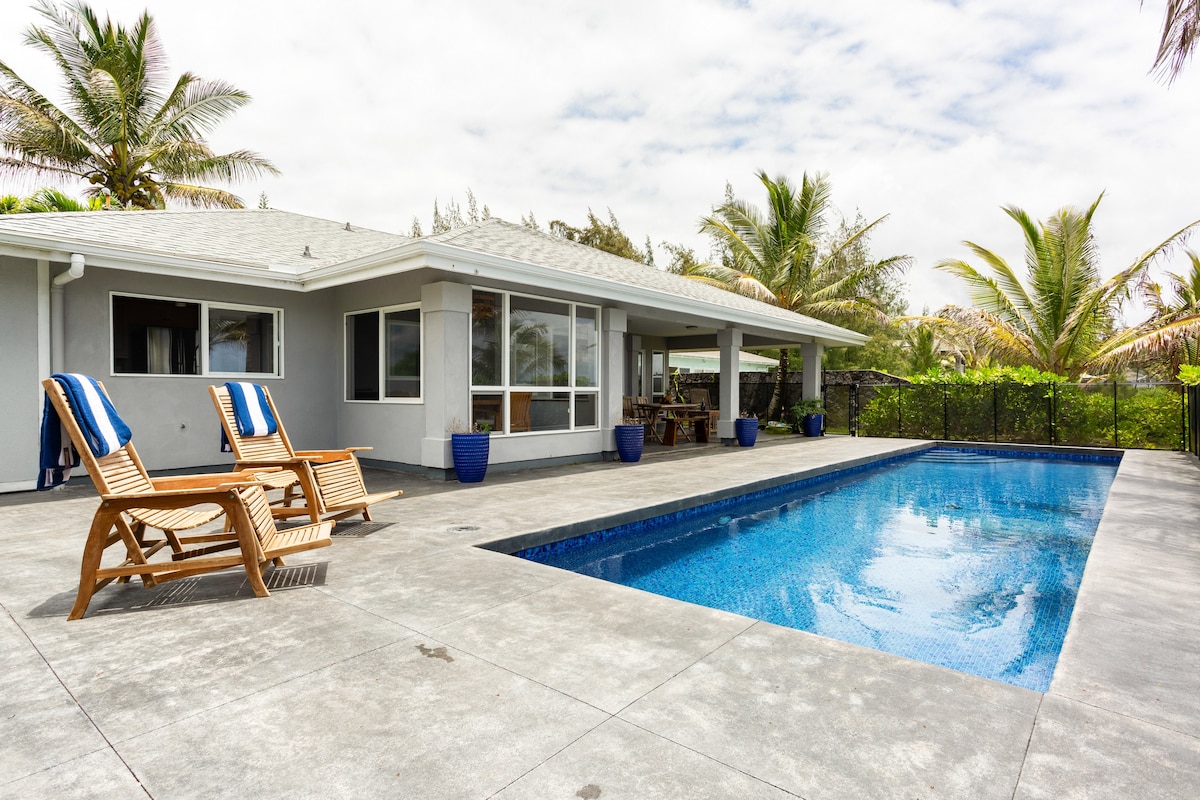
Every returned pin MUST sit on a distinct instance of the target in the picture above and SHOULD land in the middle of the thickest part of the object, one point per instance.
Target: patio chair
(520, 418)
(648, 417)
(330, 481)
(131, 501)
(701, 396)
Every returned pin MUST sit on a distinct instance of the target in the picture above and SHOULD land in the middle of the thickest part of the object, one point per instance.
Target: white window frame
(506, 388)
(383, 311)
(201, 338)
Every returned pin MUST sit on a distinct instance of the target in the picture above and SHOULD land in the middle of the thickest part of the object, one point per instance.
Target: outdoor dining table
(677, 415)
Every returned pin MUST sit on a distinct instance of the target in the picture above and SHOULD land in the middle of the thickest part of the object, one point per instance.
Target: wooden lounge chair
(330, 480)
(131, 501)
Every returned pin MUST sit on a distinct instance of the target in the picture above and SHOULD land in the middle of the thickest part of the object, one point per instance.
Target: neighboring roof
(267, 247)
(263, 238)
(715, 355)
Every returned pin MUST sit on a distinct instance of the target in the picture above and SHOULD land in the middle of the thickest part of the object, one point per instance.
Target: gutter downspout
(57, 322)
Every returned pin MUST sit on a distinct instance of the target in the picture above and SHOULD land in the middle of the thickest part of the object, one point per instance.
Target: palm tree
(125, 129)
(1171, 337)
(47, 199)
(783, 257)
(1063, 318)
(1180, 33)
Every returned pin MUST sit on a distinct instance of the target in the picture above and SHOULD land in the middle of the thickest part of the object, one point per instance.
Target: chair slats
(121, 475)
(331, 480)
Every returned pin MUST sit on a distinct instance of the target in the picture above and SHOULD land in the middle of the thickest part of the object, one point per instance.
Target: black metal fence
(1156, 416)
(1193, 420)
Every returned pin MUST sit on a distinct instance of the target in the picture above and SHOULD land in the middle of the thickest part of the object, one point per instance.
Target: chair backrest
(700, 395)
(259, 511)
(519, 411)
(627, 406)
(120, 471)
(272, 447)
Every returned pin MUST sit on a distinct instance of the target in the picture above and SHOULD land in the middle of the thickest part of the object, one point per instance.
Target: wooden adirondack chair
(330, 480)
(132, 502)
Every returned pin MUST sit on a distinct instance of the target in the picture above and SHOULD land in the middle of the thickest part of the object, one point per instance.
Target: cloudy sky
(937, 112)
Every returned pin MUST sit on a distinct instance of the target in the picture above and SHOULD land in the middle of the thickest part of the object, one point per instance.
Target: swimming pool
(966, 559)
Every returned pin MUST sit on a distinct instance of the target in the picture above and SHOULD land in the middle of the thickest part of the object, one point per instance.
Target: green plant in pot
(810, 416)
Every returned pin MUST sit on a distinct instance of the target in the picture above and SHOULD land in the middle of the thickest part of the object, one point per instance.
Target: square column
(446, 367)
(613, 372)
(811, 380)
(729, 342)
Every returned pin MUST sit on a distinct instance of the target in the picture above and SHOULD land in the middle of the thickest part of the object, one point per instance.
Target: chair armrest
(207, 480)
(174, 498)
(270, 465)
(329, 455)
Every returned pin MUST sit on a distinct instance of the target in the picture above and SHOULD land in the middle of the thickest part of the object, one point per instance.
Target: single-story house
(363, 337)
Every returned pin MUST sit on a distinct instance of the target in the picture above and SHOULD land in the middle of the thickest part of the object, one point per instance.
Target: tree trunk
(779, 394)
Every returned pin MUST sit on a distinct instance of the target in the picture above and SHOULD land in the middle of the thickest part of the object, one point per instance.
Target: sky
(935, 112)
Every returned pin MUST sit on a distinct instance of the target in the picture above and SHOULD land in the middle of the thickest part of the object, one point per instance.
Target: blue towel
(251, 410)
(103, 429)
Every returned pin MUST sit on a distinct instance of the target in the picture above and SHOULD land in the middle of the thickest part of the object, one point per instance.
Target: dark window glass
(155, 337)
(403, 352)
(362, 356)
(539, 342)
(241, 341)
(487, 321)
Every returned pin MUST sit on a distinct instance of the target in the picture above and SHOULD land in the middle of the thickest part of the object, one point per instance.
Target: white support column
(613, 371)
(633, 348)
(446, 353)
(730, 343)
(812, 370)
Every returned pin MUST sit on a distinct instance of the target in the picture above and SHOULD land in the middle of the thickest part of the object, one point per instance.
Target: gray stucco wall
(172, 418)
(20, 395)
(393, 429)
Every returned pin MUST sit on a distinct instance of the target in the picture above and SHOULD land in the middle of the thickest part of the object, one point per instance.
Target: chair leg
(93, 552)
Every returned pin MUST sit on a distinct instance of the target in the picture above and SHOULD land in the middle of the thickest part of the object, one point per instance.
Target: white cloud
(936, 112)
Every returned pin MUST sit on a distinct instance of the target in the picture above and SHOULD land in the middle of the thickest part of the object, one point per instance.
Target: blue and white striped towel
(251, 410)
(102, 427)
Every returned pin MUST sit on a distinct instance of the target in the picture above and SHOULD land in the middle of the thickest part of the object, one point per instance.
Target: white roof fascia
(129, 258)
(376, 265)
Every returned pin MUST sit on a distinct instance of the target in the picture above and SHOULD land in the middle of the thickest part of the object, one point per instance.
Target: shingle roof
(234, 240)
(497, 237)
(253, 237)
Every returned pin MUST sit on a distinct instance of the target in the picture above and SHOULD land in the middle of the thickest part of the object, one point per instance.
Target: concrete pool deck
(403, 661)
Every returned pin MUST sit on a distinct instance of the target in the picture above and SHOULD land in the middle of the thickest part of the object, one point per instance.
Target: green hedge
(1046, 413)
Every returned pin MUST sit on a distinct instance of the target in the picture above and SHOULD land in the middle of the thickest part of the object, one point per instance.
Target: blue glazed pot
(813, 423)
(747, 430)
(470, 452)
(630, 439)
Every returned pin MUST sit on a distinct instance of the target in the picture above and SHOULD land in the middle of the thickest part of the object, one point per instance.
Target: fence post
(995, 415)
(1116, 435)
(852, 409)
(1051, 412)
(945, 412)
(899, 410)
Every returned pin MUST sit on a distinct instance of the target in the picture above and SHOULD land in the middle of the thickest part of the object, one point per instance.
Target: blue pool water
(967, 559)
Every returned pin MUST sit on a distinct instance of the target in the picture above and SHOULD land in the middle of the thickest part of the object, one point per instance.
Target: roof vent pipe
(58, 324)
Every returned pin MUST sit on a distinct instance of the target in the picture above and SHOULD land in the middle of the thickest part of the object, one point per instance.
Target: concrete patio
(404, 661)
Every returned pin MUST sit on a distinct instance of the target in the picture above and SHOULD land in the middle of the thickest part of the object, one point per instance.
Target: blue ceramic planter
(470, 452)
(746, 429)
(813, 423)
(630, 439)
